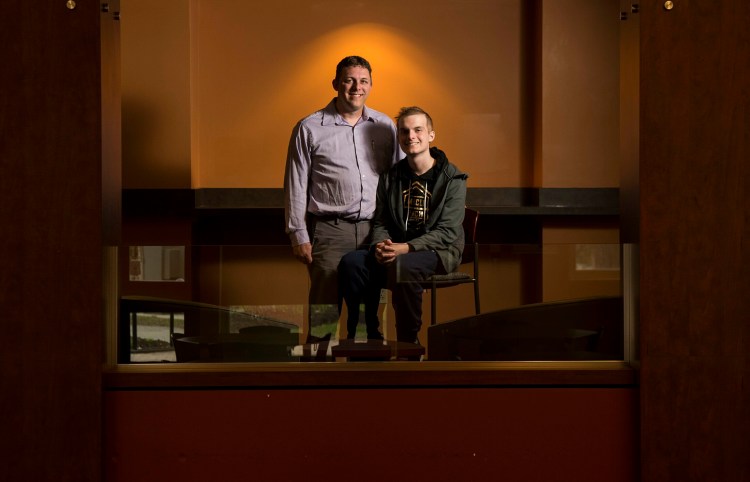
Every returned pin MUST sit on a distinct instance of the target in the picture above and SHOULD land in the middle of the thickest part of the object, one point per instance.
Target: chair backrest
(471, 219)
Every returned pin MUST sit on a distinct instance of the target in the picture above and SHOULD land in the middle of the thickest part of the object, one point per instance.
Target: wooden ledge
(370, 375)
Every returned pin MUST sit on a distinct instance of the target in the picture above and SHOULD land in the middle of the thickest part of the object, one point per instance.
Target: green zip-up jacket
(444, 232)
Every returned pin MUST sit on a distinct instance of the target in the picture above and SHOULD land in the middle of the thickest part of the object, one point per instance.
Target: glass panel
(597, 257)
(156, 263)
(249, 304)
(152, 335)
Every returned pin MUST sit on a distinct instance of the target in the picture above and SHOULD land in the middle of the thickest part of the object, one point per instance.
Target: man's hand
(387, 251)
(303, 253)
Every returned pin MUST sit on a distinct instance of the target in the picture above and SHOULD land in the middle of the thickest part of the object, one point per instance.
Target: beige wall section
(580, 94)
(155, 94)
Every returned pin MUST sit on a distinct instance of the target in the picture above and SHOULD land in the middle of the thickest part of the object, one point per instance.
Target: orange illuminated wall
(579, 133)
(156, 110)
(212, 89)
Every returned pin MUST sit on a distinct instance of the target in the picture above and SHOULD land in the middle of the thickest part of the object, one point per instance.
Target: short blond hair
(414, 110)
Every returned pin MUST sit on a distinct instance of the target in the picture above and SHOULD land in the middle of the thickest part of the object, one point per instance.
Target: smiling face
(353, 87)
(415, 134)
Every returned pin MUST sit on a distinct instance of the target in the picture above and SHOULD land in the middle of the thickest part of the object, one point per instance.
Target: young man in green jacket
(417, 231)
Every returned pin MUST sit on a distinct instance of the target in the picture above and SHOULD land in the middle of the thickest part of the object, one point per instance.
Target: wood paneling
(51, 247)
(694, 175)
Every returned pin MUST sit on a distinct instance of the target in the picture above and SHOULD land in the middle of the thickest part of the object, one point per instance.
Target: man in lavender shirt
(335, 158)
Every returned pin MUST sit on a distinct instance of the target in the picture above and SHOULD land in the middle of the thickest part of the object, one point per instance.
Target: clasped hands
(387, 251)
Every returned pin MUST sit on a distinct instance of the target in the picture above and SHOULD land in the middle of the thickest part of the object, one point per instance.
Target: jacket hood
(440, 158)
(442, 165)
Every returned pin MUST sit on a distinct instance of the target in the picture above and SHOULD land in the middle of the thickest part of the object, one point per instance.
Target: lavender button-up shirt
(332, 168)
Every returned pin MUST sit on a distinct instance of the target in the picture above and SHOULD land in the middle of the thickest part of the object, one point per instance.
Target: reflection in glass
(156, 263)
(597, 257)
(249, 305)
(152, 335)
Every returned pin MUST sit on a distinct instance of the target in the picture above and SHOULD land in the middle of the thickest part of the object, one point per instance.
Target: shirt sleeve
(296, 180)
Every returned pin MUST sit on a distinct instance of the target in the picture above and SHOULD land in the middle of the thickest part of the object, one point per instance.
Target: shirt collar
(332, 117)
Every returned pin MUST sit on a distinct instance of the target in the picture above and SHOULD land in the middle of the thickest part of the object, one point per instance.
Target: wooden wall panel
(694, 175)
(51, 244)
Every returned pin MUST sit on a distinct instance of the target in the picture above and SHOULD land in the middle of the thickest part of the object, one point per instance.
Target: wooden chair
(470, 255)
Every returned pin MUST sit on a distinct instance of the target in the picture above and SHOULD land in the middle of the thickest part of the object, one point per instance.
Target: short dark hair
(414, 110)
(352, 61)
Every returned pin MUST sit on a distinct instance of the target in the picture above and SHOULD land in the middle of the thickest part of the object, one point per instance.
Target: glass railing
(202, 304)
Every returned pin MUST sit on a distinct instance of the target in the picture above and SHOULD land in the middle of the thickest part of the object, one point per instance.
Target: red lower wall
(431, 434)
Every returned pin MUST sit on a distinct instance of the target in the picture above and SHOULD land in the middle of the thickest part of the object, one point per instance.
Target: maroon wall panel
(471, 434)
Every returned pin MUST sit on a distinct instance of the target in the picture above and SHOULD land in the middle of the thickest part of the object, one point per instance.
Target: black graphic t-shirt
(416, 198)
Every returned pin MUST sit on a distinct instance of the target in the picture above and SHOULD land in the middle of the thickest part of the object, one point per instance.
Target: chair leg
(476, 297)
(476, 278)
(433, 304)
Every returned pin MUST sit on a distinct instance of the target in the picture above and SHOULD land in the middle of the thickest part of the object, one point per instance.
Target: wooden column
(52, 216)
(695, 266)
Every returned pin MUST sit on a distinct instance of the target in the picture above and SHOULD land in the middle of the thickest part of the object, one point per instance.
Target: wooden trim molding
(371, 375)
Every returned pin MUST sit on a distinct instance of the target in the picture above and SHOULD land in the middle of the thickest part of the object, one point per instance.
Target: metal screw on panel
(623, 15)
(105, 7)
(635, 8)
(668, 5)
(71, 4)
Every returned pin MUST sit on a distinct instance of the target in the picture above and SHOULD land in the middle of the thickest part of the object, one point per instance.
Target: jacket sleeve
(448, 229)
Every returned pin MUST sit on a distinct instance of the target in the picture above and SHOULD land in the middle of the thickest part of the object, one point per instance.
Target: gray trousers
(331, 239)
